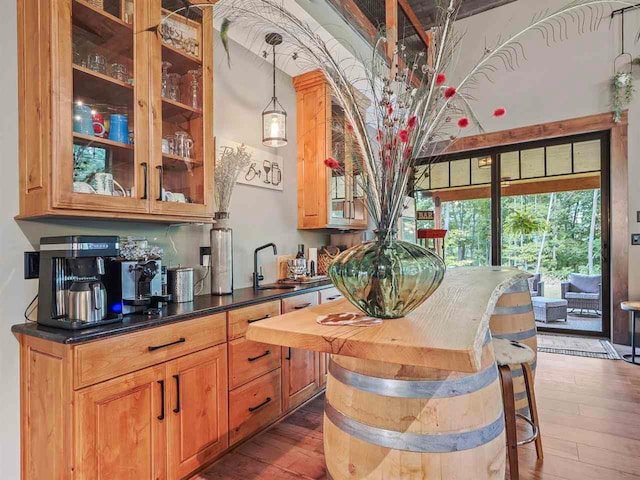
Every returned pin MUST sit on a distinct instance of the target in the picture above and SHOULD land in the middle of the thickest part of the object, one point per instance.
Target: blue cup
(82, 119)
(119, 128)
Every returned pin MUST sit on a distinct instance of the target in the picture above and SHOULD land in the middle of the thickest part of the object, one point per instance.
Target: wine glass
(266, 165)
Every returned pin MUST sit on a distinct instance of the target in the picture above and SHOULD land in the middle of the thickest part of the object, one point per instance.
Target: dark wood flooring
(590, 423)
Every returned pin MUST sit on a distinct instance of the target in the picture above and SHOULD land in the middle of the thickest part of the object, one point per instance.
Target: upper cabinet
(326, 198)
(115, 113)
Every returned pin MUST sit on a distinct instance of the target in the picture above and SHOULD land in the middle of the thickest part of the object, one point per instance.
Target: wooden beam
(408, 11)
(562, 128)
(524, 188)
(354, 16)
(391, 19)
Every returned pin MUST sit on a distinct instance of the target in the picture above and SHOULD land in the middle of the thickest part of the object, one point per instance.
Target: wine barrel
(387, 421)
(513, 319)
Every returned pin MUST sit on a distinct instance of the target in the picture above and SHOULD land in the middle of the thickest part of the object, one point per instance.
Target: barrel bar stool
(510, 353)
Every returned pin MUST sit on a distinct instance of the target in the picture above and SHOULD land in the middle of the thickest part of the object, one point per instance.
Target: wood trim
(524, 188)
(619, 188)
(562, 128)
(408, 11)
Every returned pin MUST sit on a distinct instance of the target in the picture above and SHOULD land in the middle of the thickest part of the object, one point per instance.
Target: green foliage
(468, 242)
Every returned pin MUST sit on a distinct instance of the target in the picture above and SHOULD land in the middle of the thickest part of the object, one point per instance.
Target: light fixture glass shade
(274, 128)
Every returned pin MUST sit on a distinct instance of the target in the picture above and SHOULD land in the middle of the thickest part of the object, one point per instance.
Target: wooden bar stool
(510, 354)
(634, 309)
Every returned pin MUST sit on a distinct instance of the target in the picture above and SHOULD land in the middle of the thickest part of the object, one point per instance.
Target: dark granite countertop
(173, 312)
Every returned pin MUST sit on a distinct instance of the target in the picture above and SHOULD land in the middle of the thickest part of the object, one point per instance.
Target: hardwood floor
(590, 423)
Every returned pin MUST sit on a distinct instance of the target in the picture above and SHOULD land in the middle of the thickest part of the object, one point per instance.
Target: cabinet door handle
(145, 167)
(288, 357)
(300, 307)
(258, 319)
(161, 416)
(158, 347)
(253, 409)
(334, 298)
(177, 409)
(161, 174)
(253, 359)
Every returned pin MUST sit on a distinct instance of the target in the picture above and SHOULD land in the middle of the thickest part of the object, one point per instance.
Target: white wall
(258, 215)
(570, 79)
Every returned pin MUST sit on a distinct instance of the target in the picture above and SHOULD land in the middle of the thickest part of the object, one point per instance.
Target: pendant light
(274, 117)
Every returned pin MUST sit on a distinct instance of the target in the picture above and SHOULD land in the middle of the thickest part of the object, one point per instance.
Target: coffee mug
(82, 119)
(104, 184)
(119, 128)
(83, 187)
(99, 129)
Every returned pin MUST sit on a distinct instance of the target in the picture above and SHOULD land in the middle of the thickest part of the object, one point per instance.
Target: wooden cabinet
(326, 198)
(120, 428)
(300, 368)
(197, 409)
(94, 110)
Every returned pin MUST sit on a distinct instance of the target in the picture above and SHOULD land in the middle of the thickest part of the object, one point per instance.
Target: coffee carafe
(87, 295)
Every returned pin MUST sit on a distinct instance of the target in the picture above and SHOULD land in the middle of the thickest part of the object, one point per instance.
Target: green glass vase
(386, 277)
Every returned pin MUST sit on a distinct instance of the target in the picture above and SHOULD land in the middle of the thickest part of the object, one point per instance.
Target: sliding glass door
(541, 207)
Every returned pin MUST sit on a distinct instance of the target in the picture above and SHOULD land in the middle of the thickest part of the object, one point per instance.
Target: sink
(277, 287)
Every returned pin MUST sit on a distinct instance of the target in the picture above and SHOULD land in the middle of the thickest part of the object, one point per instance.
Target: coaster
(351, 319)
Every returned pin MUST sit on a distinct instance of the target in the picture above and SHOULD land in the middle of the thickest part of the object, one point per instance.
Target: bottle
(300, 253)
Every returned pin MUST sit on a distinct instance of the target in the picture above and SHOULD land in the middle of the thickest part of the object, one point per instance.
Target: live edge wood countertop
(446, 332)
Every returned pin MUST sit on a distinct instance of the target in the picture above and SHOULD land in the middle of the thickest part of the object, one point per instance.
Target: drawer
(254, 405)
(330, 294)
(104, 359)
(239, 319)
(299, 302)
(249, 360)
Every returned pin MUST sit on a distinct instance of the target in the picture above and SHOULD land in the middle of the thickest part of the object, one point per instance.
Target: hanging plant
(621, 93)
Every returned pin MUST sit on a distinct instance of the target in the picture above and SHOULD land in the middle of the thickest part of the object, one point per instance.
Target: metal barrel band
(415, 442)
(517, 372)
(389, 387)
(517, 310)
(517, 336)
(520, 287)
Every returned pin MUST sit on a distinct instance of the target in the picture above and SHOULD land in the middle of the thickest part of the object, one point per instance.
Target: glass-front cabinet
(116, 109)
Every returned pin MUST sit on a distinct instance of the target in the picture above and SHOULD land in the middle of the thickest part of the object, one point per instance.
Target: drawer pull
(177, 409)
(288, 357)
(157, 347)
(258, 319)
(334, 298)
(253, 409)
(300, 307)
(161, 416)
(253, 359)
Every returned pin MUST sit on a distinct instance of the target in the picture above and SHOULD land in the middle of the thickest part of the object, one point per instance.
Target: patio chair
(536, 285)
(583, 292)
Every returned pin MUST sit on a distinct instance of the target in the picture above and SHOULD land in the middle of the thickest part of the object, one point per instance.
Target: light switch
(635, 239)
(638, 213)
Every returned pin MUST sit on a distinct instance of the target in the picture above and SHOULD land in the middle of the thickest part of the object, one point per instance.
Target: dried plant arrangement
(230, 162)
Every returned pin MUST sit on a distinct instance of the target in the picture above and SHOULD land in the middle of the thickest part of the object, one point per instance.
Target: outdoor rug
(577, 346)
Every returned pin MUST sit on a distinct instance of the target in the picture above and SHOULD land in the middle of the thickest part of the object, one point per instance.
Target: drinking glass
(194, 84)
(120, 72)
(173, 80)
(97, 63)
(165, 80)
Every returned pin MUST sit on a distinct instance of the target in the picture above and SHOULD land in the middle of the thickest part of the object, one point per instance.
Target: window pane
(479, 175)
(586, 156)
(532, 163)
(422, 177)
(510, 165)
(440, 175)
(460, 173)
(559, 160)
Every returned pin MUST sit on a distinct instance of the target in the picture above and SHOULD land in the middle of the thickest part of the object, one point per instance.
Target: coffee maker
(138, 283)
(71, 294)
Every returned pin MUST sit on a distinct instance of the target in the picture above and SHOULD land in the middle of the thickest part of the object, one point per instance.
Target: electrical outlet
(205, 256)
(635, 239)
(31, 265)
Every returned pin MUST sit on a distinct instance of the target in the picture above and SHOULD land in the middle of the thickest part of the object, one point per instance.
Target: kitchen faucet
(257, 276)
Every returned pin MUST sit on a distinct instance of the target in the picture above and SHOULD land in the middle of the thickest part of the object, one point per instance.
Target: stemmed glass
(266, 165)
(195, 90)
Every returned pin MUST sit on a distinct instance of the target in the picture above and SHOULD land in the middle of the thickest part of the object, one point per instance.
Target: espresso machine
(138, 283)
(71, 294)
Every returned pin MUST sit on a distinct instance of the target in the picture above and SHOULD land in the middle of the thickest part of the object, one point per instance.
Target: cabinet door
(120, 428)
(198, 412)
(182, 144)
(99, 142)
(300, 376)
(338, 201)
